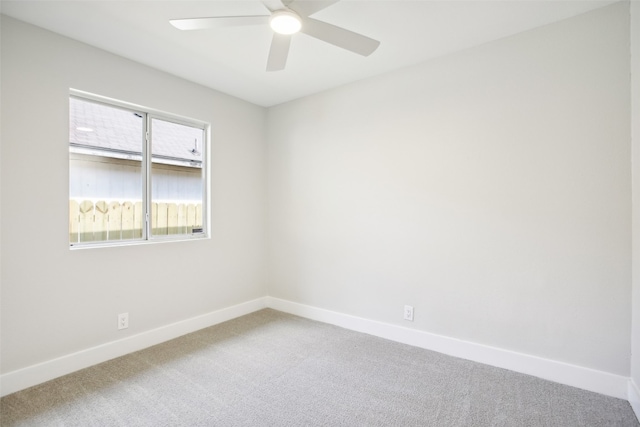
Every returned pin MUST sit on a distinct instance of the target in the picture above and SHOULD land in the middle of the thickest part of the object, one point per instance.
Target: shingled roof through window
(114, 132)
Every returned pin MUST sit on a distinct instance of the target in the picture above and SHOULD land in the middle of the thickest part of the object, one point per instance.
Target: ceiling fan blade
(273, 4)
(216, 22)
(279, 52)
(306, 8)
(340, 37)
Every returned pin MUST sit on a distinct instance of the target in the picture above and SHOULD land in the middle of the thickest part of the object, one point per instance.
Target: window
(134, 175)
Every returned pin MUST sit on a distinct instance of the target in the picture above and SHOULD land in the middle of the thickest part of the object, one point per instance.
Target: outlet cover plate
(123, 320)
(408, 313)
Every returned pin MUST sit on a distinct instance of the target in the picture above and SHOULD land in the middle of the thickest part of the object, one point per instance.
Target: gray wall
(635, 102)
(490, 189)
(56, 301)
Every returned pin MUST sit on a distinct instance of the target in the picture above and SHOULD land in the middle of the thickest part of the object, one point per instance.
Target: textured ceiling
(233, 60)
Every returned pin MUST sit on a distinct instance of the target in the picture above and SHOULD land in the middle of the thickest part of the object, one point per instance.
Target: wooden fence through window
(107, 221)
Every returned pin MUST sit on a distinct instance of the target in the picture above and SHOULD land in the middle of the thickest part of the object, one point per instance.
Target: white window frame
(148, 114)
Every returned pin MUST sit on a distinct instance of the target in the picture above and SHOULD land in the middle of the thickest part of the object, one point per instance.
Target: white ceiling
(233, 60)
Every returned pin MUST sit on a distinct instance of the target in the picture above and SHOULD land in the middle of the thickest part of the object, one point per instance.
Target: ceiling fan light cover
(285, 22)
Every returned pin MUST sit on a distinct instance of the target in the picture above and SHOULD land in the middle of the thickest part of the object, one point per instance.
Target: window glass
(105, 173)
(176, 178)
(134, 174)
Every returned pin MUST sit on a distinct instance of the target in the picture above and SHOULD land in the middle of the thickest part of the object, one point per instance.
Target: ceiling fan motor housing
(285, 21)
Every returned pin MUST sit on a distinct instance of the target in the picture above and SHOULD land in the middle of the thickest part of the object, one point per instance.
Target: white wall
(56, 301)
(105, 178)
(490, 189)
(635, 132)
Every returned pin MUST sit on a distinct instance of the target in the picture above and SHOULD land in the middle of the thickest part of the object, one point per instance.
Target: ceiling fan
(286, 18)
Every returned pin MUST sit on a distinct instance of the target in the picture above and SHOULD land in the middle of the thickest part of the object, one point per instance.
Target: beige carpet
(274, 369)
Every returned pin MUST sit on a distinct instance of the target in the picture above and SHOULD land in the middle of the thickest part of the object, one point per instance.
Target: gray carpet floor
(273, 369)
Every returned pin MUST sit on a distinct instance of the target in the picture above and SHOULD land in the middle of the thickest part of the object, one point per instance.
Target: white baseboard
(45, 371)
(564, 373)
(634, 397)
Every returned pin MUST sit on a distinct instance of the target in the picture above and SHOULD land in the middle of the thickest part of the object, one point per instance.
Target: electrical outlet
(408, 312)
(123, 320)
